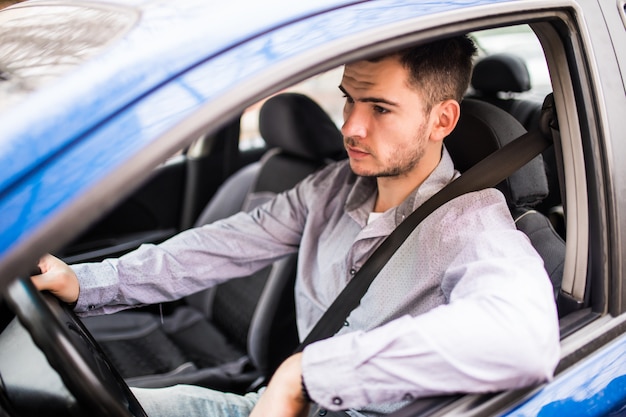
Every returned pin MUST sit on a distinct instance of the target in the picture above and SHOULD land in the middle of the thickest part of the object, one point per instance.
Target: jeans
(189, 400)
(194, 401)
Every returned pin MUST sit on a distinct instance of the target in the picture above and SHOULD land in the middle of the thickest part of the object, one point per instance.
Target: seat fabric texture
(205, 338)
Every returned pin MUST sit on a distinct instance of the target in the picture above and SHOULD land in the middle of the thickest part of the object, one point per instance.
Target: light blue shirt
(465, 305)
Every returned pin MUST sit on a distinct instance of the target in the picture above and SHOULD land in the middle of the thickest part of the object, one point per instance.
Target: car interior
(232, 337)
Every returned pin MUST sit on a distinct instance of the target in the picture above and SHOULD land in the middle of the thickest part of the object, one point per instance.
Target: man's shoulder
(477, 219)
(487, 204)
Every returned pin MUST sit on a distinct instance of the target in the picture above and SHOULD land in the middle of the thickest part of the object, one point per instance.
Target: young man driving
(465, 305)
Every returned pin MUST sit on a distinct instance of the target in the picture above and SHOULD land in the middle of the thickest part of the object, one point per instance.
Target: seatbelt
(487, 173)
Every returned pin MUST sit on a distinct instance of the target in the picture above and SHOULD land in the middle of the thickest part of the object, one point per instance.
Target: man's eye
(381, 110)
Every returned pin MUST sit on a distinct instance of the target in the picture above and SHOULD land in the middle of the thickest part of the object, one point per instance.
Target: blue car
(126, 122)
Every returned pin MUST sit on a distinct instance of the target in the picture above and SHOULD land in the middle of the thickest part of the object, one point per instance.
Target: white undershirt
(373, 216)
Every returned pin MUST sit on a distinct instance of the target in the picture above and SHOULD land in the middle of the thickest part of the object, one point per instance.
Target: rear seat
(498, 79)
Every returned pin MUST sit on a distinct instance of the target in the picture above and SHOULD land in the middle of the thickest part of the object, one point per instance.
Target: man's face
(385, 127)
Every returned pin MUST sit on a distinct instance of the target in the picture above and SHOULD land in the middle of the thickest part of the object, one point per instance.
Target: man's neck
(392, 191)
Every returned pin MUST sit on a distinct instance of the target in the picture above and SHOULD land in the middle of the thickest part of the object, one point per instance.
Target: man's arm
(502, 334)
(189, 262)
(490, 337)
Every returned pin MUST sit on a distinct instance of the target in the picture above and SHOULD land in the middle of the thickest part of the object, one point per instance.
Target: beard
(401, 160)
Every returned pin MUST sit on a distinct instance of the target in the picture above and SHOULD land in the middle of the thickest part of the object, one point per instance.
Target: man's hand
(58, 278)
(283, 396)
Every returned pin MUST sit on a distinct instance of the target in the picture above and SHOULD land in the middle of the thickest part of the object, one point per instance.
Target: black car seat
(484, 128)
(499, 79)
(203, 340)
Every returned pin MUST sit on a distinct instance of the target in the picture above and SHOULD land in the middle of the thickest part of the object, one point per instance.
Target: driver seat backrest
(498, 79)
(205, 339)
(484, 128)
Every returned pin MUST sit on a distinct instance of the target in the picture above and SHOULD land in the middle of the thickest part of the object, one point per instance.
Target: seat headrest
(482, 129)
(298, 125)
(501, 73)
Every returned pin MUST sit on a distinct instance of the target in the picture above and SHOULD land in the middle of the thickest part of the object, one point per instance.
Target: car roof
(156, 42)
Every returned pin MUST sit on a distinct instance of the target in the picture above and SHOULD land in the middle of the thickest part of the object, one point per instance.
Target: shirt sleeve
(494, 334)
(195, 259)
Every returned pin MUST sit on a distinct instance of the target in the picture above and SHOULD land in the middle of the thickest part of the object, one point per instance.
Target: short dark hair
(441, 69)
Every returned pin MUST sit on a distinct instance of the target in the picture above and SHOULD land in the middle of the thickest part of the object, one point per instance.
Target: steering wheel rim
(72, 352)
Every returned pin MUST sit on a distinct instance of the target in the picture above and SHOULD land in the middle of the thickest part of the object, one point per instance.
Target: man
(464, 306)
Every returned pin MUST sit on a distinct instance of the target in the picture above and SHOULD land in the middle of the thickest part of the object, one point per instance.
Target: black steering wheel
(72, 352)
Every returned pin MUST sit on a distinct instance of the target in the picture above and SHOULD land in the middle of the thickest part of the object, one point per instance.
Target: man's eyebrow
(370, 99)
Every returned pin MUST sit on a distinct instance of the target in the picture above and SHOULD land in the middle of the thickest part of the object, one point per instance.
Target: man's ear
(445, 116)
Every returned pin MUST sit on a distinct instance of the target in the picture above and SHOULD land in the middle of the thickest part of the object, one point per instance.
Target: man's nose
(355, 123)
